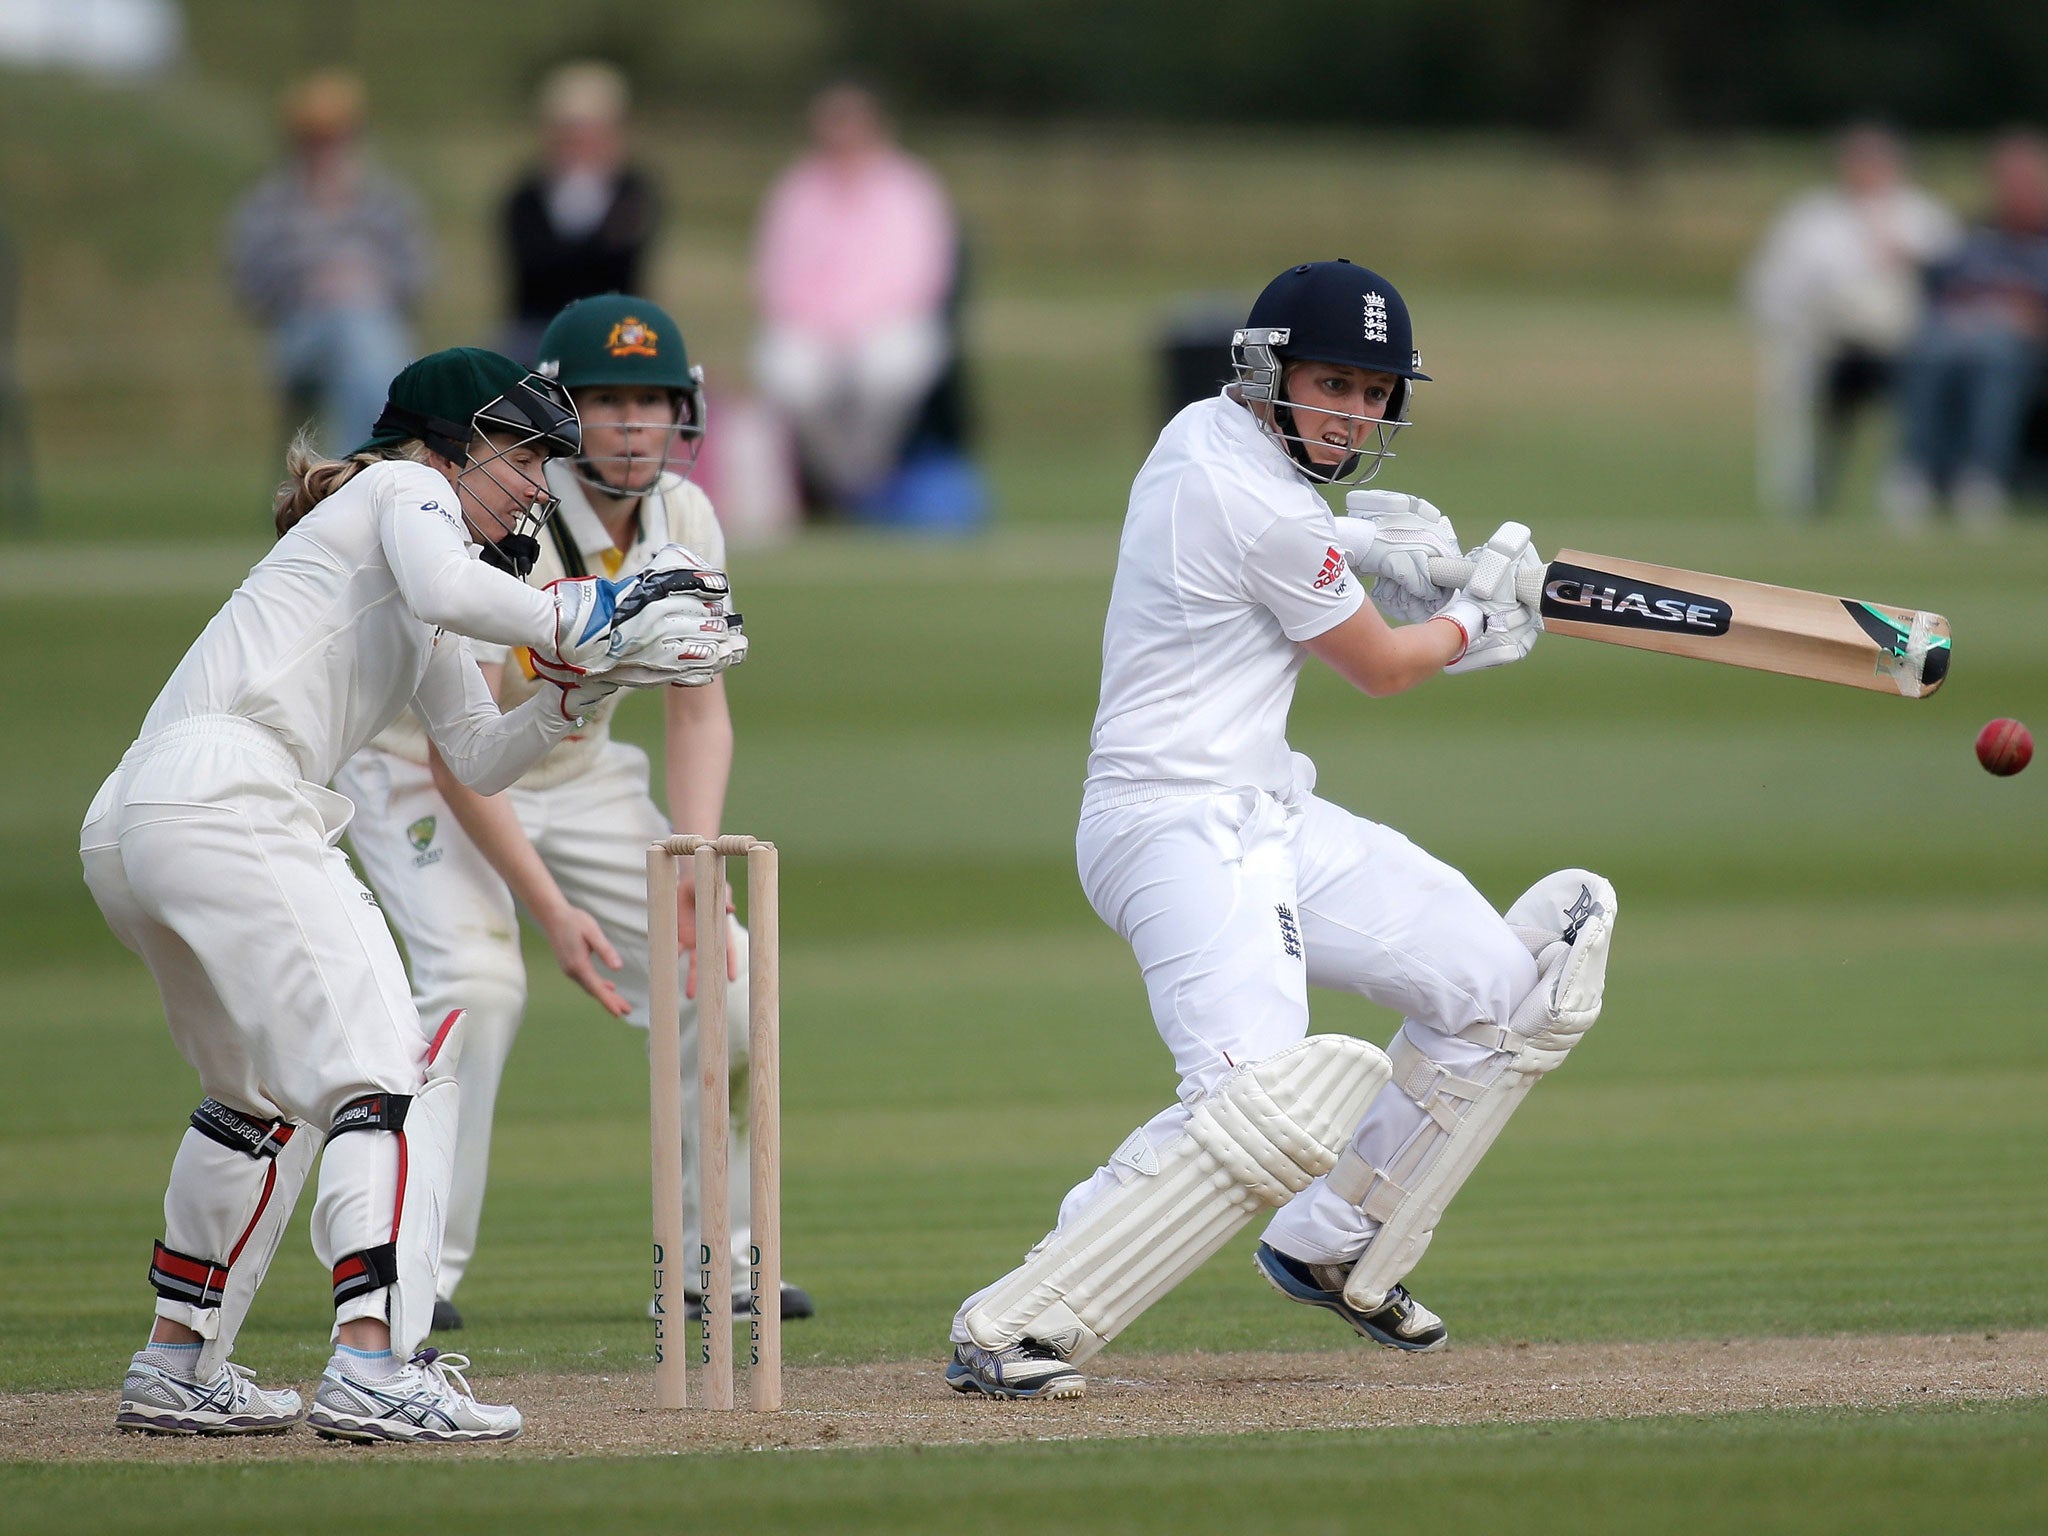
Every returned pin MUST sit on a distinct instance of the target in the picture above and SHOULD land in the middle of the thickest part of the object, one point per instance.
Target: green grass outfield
(1896, 1474)
(1813, 1105)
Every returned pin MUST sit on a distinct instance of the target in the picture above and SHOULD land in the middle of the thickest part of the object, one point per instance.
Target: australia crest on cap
(632, 337)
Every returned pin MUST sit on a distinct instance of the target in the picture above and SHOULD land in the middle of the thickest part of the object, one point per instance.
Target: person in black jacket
(580, 223)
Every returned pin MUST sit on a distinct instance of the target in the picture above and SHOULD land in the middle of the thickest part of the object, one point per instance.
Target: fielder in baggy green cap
(624, 345)
(461, 399)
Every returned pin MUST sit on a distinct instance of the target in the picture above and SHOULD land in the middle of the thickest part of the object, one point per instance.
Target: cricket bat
(1741, 623)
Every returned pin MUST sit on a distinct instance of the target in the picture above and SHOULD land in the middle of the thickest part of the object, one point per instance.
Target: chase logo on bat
(1596, 597)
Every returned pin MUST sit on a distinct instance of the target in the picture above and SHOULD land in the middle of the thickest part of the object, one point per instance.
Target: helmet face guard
(678, 442)
(1260, 365)
(535, 412)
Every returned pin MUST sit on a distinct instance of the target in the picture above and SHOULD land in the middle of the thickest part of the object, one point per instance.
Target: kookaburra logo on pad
(1375, 317)
(1596, 597)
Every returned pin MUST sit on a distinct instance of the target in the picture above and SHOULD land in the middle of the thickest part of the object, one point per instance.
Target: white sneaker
(426, 1399)
(158, 1403)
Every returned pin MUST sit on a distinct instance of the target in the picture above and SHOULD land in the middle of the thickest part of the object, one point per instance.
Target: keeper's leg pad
(232, 1189)
(1566, 920)
(405, 1267)
(1261, 1136)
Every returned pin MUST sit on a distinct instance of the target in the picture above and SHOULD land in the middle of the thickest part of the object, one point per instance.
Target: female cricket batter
(1202, 842)
(569, 840)
(211, 850)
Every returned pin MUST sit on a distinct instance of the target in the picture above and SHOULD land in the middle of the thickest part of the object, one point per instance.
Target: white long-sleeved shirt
(360, 611)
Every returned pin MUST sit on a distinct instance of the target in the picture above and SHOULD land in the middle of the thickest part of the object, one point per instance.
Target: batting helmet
(1327, 312)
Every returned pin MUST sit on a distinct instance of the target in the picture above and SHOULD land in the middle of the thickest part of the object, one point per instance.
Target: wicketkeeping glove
(669, 623)
(1391, 536)
(1499, 627)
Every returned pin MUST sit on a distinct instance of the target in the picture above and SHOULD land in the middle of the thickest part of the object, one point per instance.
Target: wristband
(1464, 636)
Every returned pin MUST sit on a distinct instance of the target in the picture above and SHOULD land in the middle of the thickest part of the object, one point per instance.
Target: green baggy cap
(616, 338)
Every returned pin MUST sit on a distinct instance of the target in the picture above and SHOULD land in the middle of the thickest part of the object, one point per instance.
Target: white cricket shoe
(427, 1399)
(158, 1403)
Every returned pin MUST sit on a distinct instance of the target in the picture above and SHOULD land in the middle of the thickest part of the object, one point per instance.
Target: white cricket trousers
(216, 863)
(1236, 903)
(461, 933)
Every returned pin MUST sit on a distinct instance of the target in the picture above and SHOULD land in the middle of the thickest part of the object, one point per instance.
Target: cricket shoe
(1024, 1369)
(446, 1318)
(427, 1399)
(156, 1402)
(1400, 1322)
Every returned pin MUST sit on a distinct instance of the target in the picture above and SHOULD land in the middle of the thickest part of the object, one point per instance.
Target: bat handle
(1451, 573)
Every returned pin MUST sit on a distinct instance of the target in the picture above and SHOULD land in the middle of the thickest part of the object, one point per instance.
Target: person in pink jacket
(853, 264)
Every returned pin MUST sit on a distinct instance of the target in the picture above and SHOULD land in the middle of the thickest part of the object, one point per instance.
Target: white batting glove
(1391, 536)
(1499, 627)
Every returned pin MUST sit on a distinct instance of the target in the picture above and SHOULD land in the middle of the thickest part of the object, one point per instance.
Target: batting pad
(1259, 1138)
(1566, 920)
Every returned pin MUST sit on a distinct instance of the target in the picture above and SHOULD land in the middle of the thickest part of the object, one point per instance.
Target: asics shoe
(427, 1399)
(1024, 1369)
(158, 1403)
(1400, 1322)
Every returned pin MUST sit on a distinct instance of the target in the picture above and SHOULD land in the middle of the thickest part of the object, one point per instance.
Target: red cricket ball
(2004, 747)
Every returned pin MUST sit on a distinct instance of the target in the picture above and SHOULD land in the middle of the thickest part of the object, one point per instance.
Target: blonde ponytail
(310, 477)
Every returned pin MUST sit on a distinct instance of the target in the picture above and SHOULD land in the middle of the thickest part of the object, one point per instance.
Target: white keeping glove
(670, 623)
(1391, 536)
(1499, 627)
(582, 695)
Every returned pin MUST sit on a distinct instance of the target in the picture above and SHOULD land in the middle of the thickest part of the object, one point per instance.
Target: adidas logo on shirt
(1333, 568)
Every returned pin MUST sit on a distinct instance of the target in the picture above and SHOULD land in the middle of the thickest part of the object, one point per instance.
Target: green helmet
(620, 339)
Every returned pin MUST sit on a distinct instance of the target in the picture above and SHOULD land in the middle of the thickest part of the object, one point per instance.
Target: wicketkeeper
(212, 851)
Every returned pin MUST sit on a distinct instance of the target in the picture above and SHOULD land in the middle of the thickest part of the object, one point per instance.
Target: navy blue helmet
(1327, 312)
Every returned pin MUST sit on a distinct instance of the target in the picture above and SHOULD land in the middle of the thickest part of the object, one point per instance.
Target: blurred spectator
(855, 269)
(578, 224)
(330, 253)
(1835, 294)
(1973, 368)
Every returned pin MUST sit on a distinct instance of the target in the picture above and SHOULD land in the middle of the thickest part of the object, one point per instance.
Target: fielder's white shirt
(360, 610)
(674, 512)
(1229, 560)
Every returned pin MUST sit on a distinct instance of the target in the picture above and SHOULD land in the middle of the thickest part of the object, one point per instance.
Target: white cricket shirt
(674, 512)
(341, 626)
(1229, 560)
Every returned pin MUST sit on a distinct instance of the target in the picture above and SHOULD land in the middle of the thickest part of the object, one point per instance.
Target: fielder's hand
(579, 943)
(1499, 627)
(1391, 536)
(686, 935)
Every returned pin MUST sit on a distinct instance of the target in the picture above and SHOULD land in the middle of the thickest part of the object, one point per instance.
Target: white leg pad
(430, 1127)
(1264, 1133)
(285, 1166)
(1566, 920)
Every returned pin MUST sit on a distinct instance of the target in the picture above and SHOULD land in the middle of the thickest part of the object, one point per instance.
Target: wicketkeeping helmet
(1327, 312)
(474, 408)
(621, 340)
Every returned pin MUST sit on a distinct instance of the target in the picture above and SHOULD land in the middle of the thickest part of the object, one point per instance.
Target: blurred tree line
(1611, 74)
